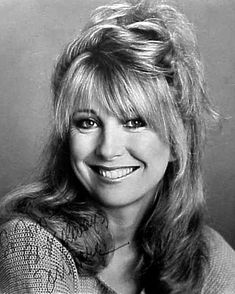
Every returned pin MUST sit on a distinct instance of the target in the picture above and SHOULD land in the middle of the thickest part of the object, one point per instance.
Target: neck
(124, 222)
(121, 226)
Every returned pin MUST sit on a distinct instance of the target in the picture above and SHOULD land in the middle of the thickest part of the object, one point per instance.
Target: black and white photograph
(117, 147)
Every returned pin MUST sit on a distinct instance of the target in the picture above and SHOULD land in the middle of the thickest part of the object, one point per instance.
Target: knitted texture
(34, 261)
(221, 276)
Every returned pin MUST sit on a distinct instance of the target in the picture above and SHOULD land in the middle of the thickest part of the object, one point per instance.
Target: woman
(119, 205)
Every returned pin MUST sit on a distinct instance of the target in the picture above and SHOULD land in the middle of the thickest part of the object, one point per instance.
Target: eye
(86, 123)
(135, 123)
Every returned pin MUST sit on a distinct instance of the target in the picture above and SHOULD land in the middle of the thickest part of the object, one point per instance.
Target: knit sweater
(33, 261)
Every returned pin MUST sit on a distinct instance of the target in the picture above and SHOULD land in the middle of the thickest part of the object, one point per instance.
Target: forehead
(114, 92)
(123, 104)
(119, 92)
(115, 87)
(100, 106)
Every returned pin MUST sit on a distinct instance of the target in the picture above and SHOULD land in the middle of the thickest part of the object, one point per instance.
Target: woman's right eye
(86, 124)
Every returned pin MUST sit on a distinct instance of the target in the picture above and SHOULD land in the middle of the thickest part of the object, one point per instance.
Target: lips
(113, 173)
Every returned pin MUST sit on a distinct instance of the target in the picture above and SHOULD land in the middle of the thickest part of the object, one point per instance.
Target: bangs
(121, 95)
(122, 92)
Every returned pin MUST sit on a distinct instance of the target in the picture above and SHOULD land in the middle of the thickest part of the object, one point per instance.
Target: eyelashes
(135, 123)
(86, 123)
(90, 123)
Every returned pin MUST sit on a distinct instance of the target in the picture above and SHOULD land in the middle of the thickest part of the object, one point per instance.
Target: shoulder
(33, 260)
(220, 276)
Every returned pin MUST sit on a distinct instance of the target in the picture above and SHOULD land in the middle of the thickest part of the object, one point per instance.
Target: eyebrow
(87, 110)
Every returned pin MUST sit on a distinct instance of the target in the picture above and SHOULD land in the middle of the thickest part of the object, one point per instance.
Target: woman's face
(119, 162)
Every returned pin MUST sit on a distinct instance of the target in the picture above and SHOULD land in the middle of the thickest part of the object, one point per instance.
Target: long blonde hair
(132, 57)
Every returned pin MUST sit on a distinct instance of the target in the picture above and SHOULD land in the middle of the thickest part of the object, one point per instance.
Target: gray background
(33, 33)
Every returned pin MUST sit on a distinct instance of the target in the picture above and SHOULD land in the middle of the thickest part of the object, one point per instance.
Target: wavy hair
(131, 57)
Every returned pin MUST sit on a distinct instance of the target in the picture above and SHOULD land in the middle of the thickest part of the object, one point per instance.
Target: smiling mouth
(114, 173)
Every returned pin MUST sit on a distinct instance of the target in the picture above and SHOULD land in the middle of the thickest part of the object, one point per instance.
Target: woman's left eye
(135, 123)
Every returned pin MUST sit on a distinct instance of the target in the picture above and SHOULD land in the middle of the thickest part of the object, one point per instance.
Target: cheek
(81, 146)
(150, 149)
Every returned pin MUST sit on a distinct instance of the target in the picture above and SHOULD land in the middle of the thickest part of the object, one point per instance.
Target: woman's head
(119, 161)
(132, 59)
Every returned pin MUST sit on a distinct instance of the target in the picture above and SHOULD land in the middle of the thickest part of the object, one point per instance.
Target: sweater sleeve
(33, 261)
(221, 275)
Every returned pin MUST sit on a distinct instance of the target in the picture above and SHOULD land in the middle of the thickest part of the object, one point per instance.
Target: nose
(111, 144)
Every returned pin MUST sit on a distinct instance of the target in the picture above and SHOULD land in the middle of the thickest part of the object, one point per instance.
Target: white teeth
(121, 173)
(116, 174)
